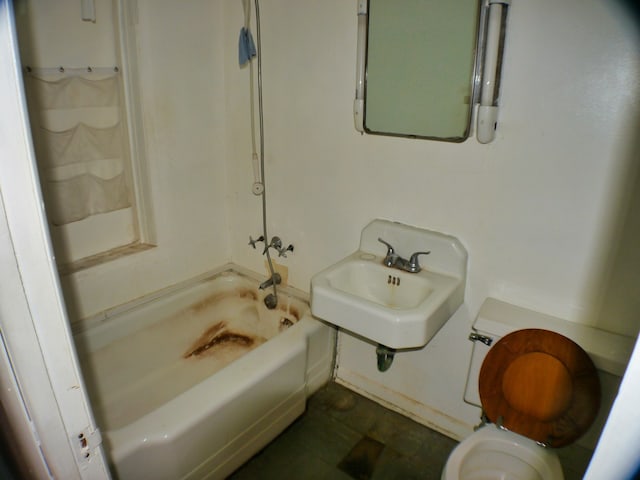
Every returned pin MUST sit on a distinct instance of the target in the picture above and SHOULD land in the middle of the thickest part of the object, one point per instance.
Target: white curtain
(80, 145)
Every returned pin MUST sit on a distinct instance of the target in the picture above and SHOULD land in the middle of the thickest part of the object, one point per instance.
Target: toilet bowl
(539, 386)
(490, 454)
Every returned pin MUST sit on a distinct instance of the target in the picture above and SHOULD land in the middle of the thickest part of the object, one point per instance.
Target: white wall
(42, 388)
(535, 209)
(180, 48)
(75, 42)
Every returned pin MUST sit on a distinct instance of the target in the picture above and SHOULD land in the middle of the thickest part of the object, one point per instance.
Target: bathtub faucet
(253, 242)
(282, 252)
(275, 279)
(276, 244)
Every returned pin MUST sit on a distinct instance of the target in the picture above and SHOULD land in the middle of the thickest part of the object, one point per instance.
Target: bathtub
(191, 382)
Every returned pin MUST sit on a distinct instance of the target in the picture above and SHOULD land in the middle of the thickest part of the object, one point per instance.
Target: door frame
(52, 421)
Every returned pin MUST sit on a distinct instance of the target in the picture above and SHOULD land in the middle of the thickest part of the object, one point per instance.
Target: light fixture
(491, 71)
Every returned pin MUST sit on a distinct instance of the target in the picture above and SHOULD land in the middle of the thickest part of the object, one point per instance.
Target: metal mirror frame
(484, 79)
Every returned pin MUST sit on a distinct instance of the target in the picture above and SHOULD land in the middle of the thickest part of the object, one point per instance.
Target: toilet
(535, 379)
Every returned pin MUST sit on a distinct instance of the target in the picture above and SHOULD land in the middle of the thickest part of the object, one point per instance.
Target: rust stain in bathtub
(290, 316)
(222, 342)
(214, 298)
(216, 337)
(291, 310)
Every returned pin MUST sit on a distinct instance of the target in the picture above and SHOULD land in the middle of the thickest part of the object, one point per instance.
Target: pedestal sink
(389, 306)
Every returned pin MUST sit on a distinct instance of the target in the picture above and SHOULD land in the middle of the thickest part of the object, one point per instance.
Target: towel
(246, 47)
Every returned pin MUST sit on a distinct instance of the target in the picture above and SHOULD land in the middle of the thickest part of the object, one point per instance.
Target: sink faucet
(393, 260)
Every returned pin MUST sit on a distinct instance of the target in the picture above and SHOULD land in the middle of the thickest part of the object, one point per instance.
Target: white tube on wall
(488, 108)
(358, 104)
(88, 10)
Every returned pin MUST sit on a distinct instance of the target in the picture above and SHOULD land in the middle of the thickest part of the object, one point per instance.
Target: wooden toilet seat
(541, 385)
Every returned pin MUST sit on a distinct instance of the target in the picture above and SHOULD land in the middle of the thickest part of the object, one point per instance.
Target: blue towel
(246, 47)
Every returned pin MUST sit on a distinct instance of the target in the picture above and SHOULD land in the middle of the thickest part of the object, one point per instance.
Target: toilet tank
(608, 351)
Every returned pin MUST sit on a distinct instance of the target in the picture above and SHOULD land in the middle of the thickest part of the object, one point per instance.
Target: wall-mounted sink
(387, 305)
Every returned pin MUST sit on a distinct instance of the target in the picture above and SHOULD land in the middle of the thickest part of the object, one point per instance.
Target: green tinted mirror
(421, 66)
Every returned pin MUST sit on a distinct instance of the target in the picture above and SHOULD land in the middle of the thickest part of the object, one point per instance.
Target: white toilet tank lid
(610, 352)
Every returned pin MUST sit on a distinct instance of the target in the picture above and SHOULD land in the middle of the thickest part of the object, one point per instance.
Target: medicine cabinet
(425, 65)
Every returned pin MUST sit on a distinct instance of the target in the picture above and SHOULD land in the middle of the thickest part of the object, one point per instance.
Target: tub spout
(275, 279)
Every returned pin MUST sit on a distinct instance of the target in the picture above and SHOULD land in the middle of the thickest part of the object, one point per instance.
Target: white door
(43, 393)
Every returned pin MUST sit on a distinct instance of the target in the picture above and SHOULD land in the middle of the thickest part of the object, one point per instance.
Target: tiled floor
(343, 435)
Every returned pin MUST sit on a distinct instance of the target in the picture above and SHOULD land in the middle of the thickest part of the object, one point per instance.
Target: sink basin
(389, 306)
(364, 277)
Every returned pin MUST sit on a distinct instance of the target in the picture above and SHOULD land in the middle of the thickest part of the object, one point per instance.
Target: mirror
(421, 67)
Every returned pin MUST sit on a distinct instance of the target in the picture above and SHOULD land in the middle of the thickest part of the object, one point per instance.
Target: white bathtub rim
(83, 325)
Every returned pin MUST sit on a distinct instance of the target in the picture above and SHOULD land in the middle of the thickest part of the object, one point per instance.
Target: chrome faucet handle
(253, 242)
(276, 243)
(282, 252)
(413, 265)
(390, 250)
(391, 256)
